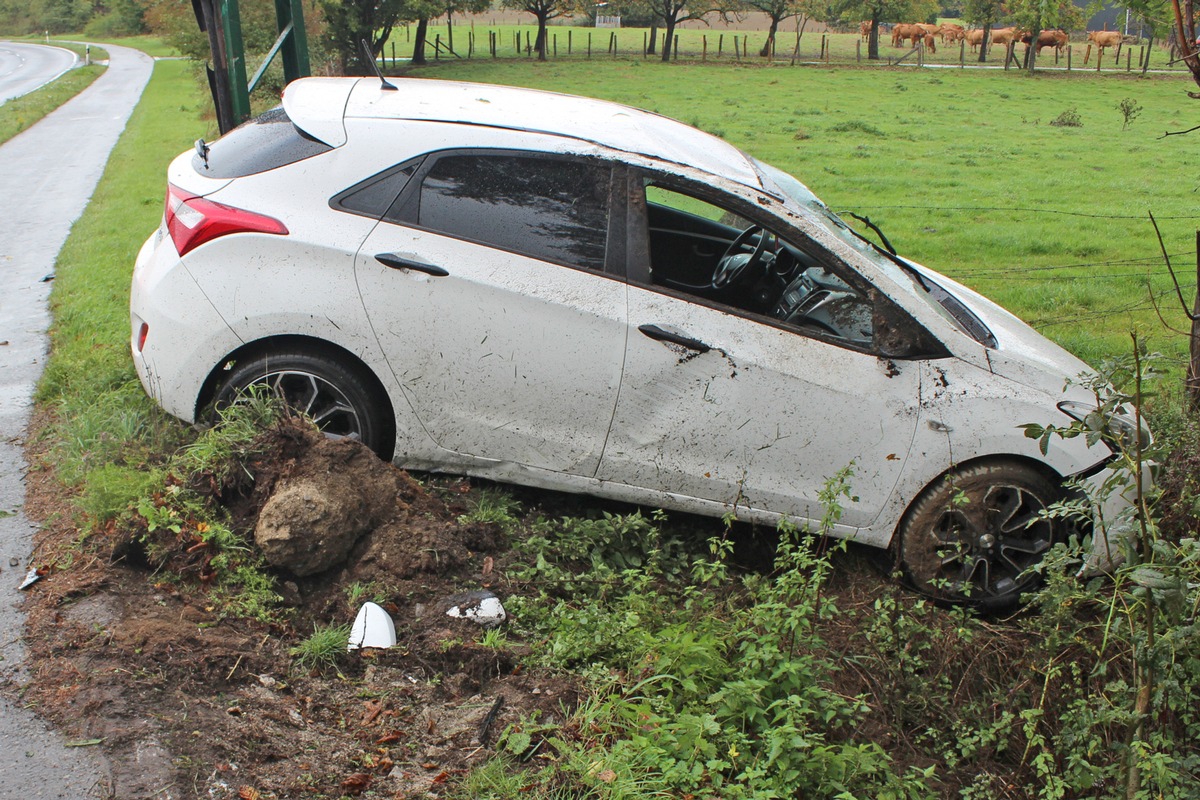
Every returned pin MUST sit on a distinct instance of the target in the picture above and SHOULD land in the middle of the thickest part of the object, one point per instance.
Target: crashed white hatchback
(568, 293)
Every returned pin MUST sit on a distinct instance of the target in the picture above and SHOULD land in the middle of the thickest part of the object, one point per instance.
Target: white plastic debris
(31, 578)
(372, 628)
(481, 607)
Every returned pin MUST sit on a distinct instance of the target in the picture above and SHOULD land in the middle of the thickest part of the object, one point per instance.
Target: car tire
(973, 536)
(338, 397)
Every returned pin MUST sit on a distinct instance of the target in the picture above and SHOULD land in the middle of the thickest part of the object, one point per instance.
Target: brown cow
(1005, 36)
(864, 29)
(974, 37)
(952, 32)
(907, 31)
(1057, 39)
(1103, 39)
(931, 29)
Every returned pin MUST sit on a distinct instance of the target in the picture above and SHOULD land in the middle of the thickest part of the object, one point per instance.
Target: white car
(568, 293)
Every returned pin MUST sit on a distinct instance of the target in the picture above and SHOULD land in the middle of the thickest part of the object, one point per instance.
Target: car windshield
(797, 194)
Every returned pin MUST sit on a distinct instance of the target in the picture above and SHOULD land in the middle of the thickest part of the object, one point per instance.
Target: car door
(729, 404)
(488, 286)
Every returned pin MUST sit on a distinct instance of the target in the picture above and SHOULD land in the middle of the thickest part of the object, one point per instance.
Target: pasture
(472, 37)
(964, 170)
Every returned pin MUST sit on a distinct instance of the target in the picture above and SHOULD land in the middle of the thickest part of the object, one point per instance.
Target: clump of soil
(188, 703)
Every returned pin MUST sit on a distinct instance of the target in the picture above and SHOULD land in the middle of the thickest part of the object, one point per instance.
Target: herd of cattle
(925, 33)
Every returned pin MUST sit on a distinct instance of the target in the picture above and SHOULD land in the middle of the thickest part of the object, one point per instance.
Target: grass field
(964, 170)
(471, 37)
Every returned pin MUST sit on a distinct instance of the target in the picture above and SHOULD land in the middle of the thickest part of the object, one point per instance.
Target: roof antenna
(370, 57)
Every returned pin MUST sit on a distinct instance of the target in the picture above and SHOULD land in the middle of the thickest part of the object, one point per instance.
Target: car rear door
(489, 288)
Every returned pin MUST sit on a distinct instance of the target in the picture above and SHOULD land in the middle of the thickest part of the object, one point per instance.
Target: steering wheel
(733, 265)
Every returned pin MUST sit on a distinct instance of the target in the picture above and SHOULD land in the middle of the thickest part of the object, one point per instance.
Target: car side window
(553, 209)
(374, 196)
(713, 252)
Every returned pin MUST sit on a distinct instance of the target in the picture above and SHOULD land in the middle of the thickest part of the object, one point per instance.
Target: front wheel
(337, 397)
(973, 536)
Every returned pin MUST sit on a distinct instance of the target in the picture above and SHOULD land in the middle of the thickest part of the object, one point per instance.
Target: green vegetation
(20, 113)
(323, 649)
(705, 677)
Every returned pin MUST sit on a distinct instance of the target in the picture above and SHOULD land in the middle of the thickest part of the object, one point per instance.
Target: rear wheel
(339, 398)
(973, 536)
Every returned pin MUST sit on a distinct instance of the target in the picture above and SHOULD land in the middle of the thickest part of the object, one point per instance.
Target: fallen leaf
(442, 777)
(373, 709)
(357, 783)
(607, 776)
(388, 738)
(249, 793)
(83, 743)
(488, 564)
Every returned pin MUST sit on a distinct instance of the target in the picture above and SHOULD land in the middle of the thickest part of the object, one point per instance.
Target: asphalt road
(25, 67)
(48, 174)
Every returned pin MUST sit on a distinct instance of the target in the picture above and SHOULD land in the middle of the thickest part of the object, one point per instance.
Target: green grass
(1049, 221)
(90, 376)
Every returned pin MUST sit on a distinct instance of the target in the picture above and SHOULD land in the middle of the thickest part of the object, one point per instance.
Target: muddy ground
(186, 703)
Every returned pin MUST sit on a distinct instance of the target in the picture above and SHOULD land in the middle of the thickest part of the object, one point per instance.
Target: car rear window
(547, 208)
(268, 141)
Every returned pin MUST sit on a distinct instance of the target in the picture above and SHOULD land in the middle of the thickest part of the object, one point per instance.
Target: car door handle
(661, 335)
(395, 261)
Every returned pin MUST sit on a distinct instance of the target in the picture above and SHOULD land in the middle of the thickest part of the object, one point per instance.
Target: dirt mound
(190, 704)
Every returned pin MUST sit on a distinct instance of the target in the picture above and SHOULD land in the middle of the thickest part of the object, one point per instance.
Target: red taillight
(142, 333)
(192, 221)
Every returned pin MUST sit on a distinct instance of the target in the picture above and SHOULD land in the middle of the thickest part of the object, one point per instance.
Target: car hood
(1021, 354)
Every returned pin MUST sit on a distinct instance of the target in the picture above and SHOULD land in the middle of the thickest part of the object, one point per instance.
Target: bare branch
(1158, 312)
(1189, 130)
(1171, 269)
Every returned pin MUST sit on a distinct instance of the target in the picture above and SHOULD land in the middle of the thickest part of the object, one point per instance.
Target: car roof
(314, 103)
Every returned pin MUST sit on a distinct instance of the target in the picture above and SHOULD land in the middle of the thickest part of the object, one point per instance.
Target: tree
(350, 22)
(1035, 16)
(983, 14)
(543, 11)
(421, 11)
(877, 11)
(777, 11)
(1185, 30)
(672, 12)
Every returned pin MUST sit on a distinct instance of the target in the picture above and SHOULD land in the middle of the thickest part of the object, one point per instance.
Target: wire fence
(468, 40)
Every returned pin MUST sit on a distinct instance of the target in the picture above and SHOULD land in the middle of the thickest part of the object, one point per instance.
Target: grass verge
(104, 417)
(22, 112)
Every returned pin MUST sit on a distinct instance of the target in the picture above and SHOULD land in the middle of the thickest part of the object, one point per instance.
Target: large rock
(315, 515)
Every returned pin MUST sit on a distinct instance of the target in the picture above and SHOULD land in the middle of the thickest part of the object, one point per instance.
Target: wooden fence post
(704, 48)
(589, 44)
(720, 44)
